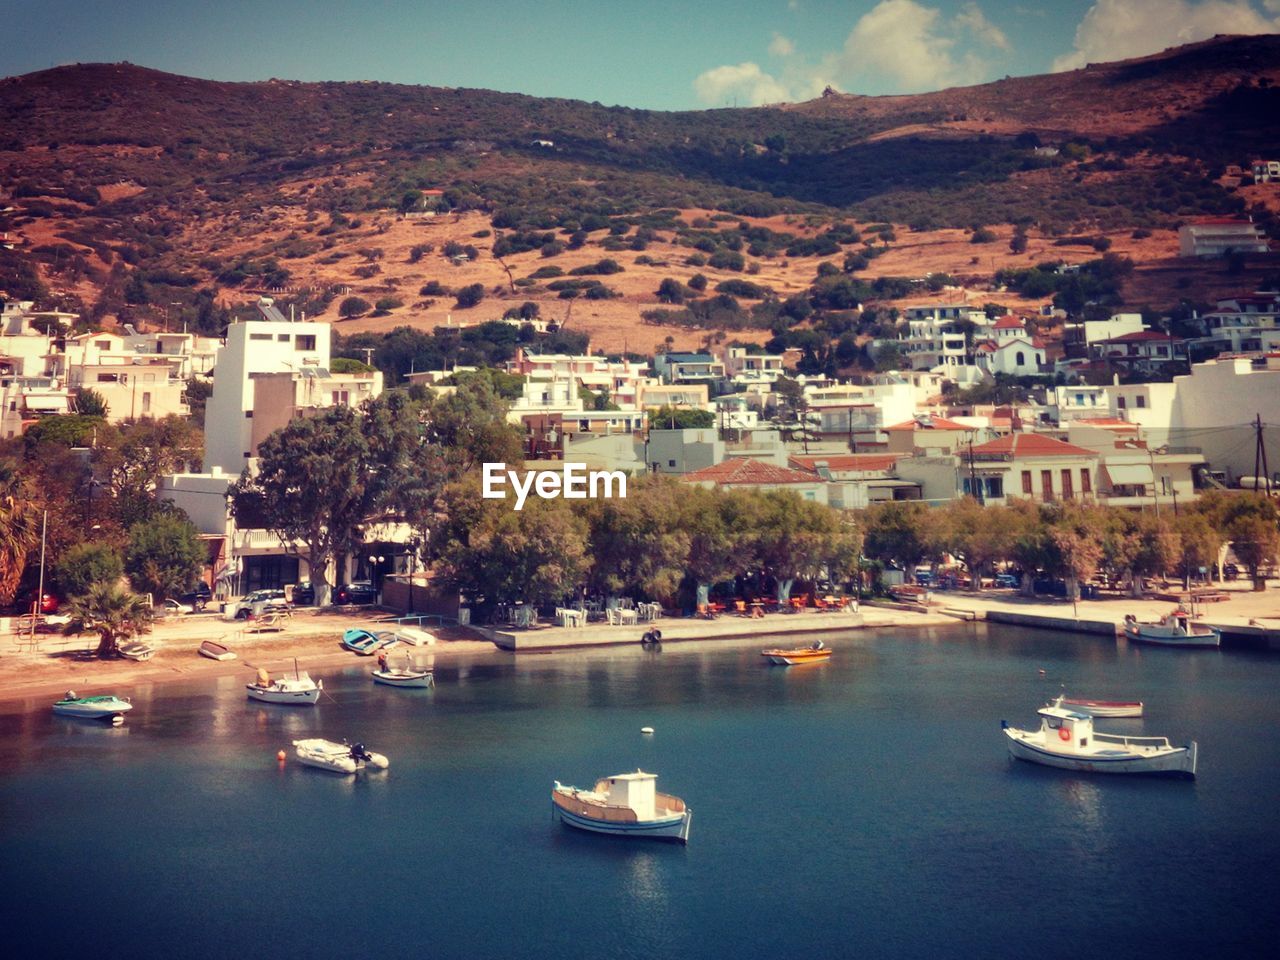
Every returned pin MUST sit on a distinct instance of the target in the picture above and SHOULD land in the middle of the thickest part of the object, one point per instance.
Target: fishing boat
(814, 653)
(1098, 708)
(404, 677)
(106, 707)
(339, 757)
(367, 642)
(1174, 629)
(298, 690)
(216, 651)
(1067, 740)
(627, 805)
(137, 650)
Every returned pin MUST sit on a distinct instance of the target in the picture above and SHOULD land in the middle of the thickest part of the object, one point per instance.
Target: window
(671, 463)
(1086, 485)
(1026, 482)
(146, 403)
(248, 414)
(995, 487)
(1066, 485)
(1046, 485)
(102, 344)
(1019, 360)
(259, 336)
(1141, 401)
(305, 341)
(282, 338)
(1120, 403)
(340, 398)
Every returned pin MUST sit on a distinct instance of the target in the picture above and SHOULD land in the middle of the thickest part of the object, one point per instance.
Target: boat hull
(101, 710)
(790, 658)
(1114, 709)
(1193, 641)
(215, 651)
(674, 829)
(336, 757)
(412, 680)
(136, 651)
(1170, 762)
(288, 698)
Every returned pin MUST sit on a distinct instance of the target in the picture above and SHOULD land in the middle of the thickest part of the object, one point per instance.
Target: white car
(172, 608)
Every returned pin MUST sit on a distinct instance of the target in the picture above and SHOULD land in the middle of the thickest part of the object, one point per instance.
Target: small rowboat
(367, 642)
(626, 805)
(404, 677)
(811, 654)
(137, 650)
(1099, 708)
(216, 651)
(1067, 740)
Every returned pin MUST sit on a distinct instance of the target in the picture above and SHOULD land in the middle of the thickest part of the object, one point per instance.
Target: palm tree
(19, 529)
(112, 612)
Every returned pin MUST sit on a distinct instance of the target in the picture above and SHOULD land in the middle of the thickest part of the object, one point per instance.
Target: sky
(654, 54)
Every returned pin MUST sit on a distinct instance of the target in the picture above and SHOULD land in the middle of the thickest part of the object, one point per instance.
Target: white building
(1217, 236)
(1012, 351)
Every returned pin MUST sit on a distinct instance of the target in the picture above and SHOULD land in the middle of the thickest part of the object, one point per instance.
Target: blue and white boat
(367, 642)
(108, 707)
(1066, 740)
(626, 805)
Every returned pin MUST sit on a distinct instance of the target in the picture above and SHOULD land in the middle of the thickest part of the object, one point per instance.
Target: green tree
(898, 532)
(978, 535)
(1075, 534)
(20, 522)
(110, 611)
(469, 296)
(1251, 521)
(85, 564)
(90, 403)
(671, 291)
(679, 418)
(129, 459)
(637, 543)
(353, 307)
(164, 556)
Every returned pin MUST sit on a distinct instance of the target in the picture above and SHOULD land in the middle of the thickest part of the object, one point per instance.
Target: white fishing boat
(106, 707)
(404, 677)
(339, 757)
(137, 650)
(216, 651)
(626, 805)
(1174, 629)
(298, 690)
(1098, 708)
(1067, 740)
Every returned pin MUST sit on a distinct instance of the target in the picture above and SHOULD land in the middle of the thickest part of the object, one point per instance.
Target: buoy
(647, 730)
(1041, 672)
(117, 719)
(280, 755)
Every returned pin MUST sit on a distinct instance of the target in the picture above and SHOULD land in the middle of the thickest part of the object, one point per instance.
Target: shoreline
(59, 663)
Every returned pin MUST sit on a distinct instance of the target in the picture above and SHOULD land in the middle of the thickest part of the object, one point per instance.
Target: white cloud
(899, 45)
(780, 46)
(1119, 29)
(743, 83)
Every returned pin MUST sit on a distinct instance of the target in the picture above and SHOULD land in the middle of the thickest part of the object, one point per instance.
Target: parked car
(25, 600)
(172, 607)
(1006, 580)
(1230, 571)
(249, 603)
(356, 592)
(198, 598)
(304, 594)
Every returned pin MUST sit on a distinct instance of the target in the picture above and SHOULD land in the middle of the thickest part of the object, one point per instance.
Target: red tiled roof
(1110, 423)
(1010, 322)
(1222, 222)
(869, 462)
(1031, 445)
(741, 471)
(935, 423)
(1140, 336)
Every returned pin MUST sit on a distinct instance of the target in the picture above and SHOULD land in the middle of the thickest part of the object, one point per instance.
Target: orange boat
(811, 654)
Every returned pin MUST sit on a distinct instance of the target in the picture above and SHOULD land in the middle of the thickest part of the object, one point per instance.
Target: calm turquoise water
(863, 807)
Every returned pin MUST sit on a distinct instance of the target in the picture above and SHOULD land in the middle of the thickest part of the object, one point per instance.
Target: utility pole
(35, 607)
(974, 488)
(1260, 468)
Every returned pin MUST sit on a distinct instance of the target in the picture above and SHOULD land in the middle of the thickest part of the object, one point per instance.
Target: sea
(862, 807)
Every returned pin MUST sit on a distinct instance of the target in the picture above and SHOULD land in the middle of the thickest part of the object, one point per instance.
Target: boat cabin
(636, 791)
(1072, 730)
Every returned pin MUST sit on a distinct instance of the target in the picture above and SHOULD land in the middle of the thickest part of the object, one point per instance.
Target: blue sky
(658, 54)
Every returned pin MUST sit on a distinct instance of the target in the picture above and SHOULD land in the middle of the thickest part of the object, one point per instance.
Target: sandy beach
(55, 663)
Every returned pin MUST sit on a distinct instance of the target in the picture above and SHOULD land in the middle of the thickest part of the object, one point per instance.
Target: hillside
(152, 197)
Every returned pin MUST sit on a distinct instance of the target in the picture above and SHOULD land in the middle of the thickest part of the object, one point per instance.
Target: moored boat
(814, 653)
(1067, 740)
(414, 636)
(404, 677)
(367, 642)
(216, 651)
(339, 757)
(1174, 629)
(1098, 708)
(105, 707)
(298, 690)
(626, 805)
